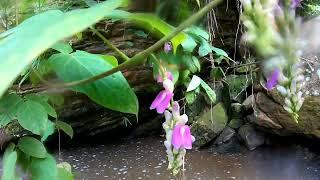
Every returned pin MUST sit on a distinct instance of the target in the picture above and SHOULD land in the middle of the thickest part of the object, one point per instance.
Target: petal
(159, 79)
(160, 97)
(187, 139)
(164, 104)
(176, 137)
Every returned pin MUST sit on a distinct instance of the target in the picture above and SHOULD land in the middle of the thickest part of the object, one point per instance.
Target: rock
(231, 146)
(237, 110)
(236, 123)
(309, 124)
(225, 136)
(251, 137)
(248, 103)
(261, 119)
(209, 125)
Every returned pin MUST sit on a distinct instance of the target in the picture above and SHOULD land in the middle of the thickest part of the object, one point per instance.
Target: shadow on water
(146, 159)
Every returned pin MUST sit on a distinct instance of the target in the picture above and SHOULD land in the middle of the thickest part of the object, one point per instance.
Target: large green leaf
(43, 168)
(32, 116)
(8, 108)
(151, 23)
(210, 92)
(112, 92)
(40, 32)
(32, 147)
(43, 101)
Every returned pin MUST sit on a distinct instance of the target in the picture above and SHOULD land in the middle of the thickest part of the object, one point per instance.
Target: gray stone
(236, 123)
(251, 137)
(225, 136)
(249, 102)
(209, 125)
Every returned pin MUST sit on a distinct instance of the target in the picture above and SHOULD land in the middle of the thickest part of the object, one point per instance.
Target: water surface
(146, 159)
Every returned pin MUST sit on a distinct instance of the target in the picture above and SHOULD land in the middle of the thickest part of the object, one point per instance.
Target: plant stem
(110, 45)
(140, 58)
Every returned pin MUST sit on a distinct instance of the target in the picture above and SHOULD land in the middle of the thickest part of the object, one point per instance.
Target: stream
(146, 159)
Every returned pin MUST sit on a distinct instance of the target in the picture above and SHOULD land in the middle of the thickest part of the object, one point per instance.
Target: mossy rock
(209, 124)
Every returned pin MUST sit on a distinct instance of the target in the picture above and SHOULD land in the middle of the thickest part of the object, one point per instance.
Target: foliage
(23, 44)
(25, 50)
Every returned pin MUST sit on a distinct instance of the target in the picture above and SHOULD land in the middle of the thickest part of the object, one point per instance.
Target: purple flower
(181, 137)
(162, 101)
(273, 79)
(295, 3)
(167, 47)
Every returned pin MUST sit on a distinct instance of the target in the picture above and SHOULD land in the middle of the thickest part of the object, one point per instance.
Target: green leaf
(65, 128)
(64, 174)
(32, 147)
(151, 23)
(219, 52)
(110, 59)
(8, 108)
(205, 48)
(189, 44)
(62, 47)
(211, 94)
(9, 166)
(194, 83)
(48, 131)
(43, 168)
(190, 97)
(32, 116)
(38, 33)
(197, 31)
(191, 62)
(43, 101)
(196, 63)
(112, 92)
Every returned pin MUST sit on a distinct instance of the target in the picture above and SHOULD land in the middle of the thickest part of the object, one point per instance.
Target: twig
(110, 45)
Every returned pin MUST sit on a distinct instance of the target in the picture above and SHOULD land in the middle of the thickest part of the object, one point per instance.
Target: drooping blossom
(167, 47)
(273, 79)
(162, 101)
(181, 137)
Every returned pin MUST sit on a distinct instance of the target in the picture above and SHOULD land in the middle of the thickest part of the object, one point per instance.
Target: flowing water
(146, 159)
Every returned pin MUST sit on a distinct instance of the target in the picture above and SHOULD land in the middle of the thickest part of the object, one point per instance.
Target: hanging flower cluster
(271, 28)
(178, 135)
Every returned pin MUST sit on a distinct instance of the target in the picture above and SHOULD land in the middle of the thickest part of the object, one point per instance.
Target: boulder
(236, 123)
(225, 136)
(209, 125)
(248, 103)
(251, 137)
(271, 115)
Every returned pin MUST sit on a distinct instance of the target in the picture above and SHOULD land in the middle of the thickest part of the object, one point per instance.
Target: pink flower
(162, 101)
(181, 137)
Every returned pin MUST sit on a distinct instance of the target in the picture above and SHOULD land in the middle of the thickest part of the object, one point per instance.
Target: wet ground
(146, 159)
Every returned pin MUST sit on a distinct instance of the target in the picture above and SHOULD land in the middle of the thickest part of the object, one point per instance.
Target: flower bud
(168, 85)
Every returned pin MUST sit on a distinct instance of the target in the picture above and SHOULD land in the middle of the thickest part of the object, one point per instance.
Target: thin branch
(110, 45)
(140, 58)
